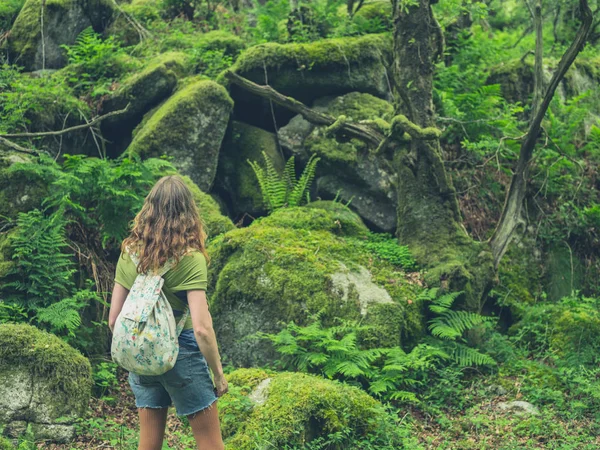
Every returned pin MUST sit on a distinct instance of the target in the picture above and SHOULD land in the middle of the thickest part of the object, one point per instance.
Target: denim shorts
(188, 385)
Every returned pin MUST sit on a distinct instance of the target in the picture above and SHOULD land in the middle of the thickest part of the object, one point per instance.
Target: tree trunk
(429, 219)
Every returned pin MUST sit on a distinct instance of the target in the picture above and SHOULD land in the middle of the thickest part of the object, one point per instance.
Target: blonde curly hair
(167, 226)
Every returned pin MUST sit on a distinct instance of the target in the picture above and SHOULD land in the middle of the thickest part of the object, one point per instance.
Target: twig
(89, 124)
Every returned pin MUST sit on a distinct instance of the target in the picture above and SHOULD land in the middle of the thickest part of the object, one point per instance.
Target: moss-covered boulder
(310, 71)
(142, 91)
(295, 263)
(45, 382)
(19, 192)
(348, 170)
(188, 127)
(377, 14)
(291, 410)
(216, 223)
(63, 20)
(235, 178)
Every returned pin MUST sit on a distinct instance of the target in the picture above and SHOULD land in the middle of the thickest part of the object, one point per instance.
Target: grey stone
(518, 408)
(260, 394)
(361, 282)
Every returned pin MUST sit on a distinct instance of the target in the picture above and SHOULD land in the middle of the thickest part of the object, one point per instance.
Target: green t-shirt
(190, 274)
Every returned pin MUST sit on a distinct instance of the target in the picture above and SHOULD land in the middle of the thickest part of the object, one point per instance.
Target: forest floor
(112, 424)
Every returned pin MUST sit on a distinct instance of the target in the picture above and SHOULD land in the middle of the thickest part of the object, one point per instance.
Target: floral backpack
(145, 336)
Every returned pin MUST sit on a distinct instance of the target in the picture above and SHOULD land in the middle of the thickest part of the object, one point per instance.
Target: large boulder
(139, 94)
(63, 20)
(348, 170)
(210, 211)
(45, 383)
(310, 71)
(300, 261)
(291, 410)
(235, 178)
(189, 128)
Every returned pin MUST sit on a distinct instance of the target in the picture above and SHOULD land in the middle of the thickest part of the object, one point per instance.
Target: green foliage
(94, 63)
(284, 189)
(387, 248)
(566, 331)
(336, 352)
(35, 104)
(43, 271)
(450, 326)
(105, 379)
(9, 10)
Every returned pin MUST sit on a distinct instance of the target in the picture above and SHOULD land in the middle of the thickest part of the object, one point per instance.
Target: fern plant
(335, 352)
(284, 189)
(449, 326)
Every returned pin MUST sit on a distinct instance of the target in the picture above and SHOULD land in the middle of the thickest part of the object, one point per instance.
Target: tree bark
(511, 217)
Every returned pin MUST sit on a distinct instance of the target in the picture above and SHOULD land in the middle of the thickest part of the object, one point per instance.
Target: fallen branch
(362, 132)
(84, 126)
(17, 147)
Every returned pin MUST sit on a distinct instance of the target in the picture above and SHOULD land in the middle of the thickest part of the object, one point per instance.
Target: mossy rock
(291, 410)
(142, 91)
(347, 169)
(235, 177)
(19, 192)
(144, 11)
(63, 21)
(310, 71)
(377, 11)
(46, 382)
(216, 223)
(229, 44)
(564, 272)
(295, 263)
(188, 127)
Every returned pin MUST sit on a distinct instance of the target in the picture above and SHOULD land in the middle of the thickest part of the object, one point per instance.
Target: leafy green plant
(105, 379)
(386, 247)
(94, 63)
(449, 327)
(283, 189)
(43, 271)
(335, 352)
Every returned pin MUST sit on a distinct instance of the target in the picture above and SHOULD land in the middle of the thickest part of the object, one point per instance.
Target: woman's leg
(207, 429)
(152, 428)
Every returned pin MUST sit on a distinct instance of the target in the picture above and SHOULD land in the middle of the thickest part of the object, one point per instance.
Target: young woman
(169, 226)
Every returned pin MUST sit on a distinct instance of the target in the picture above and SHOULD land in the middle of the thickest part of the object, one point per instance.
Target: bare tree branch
(362, 132)
(513, 205)
(89, 124)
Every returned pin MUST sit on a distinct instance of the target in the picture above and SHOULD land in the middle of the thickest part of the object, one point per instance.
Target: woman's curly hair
(167, 226)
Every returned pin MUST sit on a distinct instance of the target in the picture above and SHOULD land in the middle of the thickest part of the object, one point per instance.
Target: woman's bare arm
(206, 338)
(119, 295)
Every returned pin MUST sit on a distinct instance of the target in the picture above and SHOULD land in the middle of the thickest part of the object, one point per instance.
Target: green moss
(230, 44)
(66, 371)
(300, 408)
(279, 269)
(322, 215)
(355, 107)
(377, 10)
(165, 125)
(248, 379)
(20, 191)
(325, 53)
(310, 71)
(6, 262)
(216, 223)
(243, 143)
(143, 90)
